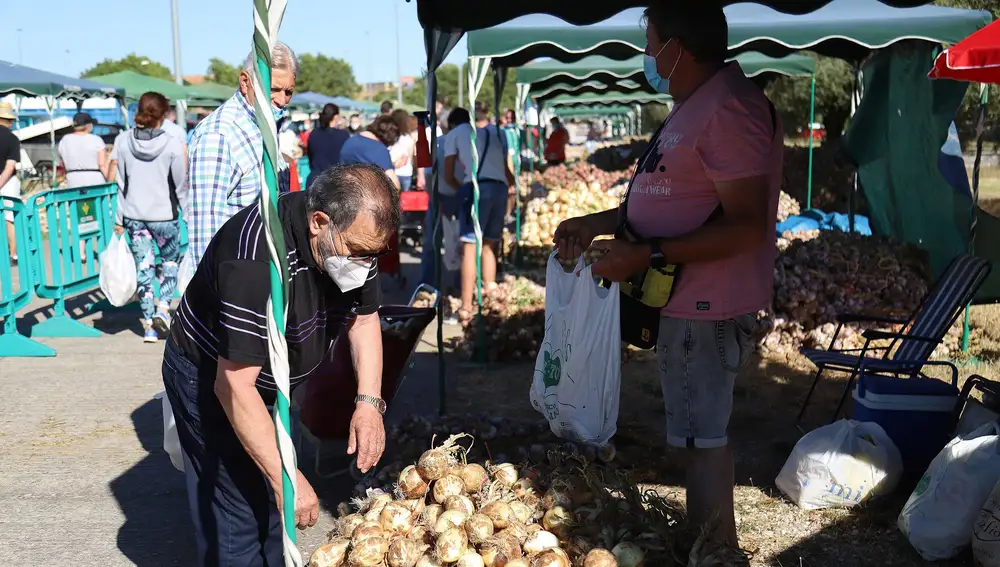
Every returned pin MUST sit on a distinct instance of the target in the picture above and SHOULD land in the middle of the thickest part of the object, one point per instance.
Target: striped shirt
(224, 309)
(224, 170)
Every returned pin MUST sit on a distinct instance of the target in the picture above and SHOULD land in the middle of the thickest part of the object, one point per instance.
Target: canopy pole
(50, 109)
(984, 95)
(812, 120)
(851, 201)
(267, 20)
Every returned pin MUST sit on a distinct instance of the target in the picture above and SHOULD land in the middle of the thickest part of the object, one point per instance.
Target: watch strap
(378, 403)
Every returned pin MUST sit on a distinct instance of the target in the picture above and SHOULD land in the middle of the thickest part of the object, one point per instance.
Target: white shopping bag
(185, 272)
(578, 371)
(118, 276)
(840, 465)
(986, 532)
(452, 244)
(171, 442)
(939, 516)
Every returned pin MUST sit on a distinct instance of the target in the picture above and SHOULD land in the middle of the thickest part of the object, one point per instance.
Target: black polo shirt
(224, 308)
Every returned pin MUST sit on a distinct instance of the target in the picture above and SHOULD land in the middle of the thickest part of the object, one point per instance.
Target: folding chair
(911, 347)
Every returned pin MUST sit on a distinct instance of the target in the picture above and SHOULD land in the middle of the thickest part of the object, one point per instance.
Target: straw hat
(7, 111)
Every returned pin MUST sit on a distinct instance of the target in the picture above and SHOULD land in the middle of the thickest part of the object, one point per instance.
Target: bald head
(346, 191)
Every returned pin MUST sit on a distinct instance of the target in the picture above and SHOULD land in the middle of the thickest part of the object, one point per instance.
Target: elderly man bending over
(216, 368)
(226, 150)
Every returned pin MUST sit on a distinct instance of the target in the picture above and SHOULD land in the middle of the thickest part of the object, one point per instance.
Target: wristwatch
(379, 403)
(656, 258)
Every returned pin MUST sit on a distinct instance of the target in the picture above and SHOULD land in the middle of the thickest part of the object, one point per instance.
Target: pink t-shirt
(724, 132)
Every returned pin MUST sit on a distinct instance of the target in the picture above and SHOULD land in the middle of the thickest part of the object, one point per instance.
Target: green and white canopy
(586, 111)
(608, 99)
(847, 29)
(25, 81)
(135, 84)
(546, 79)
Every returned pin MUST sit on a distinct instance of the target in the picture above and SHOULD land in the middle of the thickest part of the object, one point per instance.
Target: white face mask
(347, 273)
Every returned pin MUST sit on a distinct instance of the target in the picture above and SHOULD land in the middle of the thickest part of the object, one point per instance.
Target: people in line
(326, 142)
(704, 197)
(227, 149)
(10, 183)
(216, 364)
(494, 178)
(404, 151)
(83, 154)
(448, 207)
(151, 195)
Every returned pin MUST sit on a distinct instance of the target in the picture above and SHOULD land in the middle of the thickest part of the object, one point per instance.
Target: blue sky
(65, 36)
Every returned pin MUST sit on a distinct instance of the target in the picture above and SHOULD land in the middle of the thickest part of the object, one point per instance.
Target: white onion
(557, 520)
(499, 513)
(427, 561)
(396, 517)
(404, 552)
(431, 513)
(460, 502)
(519, 562)
(332, 554)
(366, 530)
(521, 511)
(479, 527)
(451, 545)
(540, 541)
(449, 519)
(434, 464)
(600, 558)
(628, 554)
(551, 558)
(368, 553)
(506, 473)
(470, 559)
(474, 476)
(410, 483)
(449, 485)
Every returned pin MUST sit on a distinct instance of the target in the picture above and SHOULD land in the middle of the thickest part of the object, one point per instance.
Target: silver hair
(282, 57)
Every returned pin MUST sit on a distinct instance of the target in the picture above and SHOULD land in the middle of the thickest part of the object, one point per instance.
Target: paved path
(83, 478)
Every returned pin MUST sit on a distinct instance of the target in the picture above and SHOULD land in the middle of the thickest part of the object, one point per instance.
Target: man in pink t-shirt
(703, 197)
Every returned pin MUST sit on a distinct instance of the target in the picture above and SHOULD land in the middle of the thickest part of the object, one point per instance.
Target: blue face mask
(653, 77)
(278, 113)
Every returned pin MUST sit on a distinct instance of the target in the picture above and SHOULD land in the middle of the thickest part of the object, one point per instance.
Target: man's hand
(306, 502)
(573, 236)
(367, 437)
(621, 259)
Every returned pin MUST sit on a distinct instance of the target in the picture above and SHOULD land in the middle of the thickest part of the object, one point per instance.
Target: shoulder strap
(486, 149)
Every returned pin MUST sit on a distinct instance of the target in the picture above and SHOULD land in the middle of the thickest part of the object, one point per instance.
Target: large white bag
(171, 442)
(118, 276)
(578, 371)
(840, 465)
(185, 272)
(986, 532)
(938, 517)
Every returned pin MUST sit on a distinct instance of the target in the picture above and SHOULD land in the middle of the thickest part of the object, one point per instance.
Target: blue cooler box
(916, 413)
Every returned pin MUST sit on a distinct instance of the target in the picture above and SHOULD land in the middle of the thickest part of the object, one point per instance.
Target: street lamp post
(177, 61)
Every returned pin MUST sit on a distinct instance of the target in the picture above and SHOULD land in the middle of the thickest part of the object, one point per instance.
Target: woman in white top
(403, 152)
(83, 154)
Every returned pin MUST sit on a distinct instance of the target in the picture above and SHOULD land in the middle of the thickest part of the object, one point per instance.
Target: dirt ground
(766, 399)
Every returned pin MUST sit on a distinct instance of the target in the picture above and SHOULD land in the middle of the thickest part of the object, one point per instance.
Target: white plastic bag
(184, 273)
(118, 277)
(452, 245)
(840, 465)
(171, 442)
(986, 532)
(578, 370)
(938, 517)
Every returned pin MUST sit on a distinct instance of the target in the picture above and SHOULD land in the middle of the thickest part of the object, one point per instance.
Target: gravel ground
(83, 478)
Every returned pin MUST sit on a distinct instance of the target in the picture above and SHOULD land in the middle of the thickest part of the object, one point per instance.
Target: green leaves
(131, 62)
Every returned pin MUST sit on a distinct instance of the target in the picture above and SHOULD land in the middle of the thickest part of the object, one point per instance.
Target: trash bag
(118, 276)
(171, 442)
(938, 517)
(840, 465)
(578, 370)
(184, 273)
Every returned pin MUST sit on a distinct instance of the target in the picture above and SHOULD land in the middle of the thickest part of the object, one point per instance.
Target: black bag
(645, 293)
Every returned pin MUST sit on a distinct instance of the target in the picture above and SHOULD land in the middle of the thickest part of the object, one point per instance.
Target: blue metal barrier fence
(16, 288)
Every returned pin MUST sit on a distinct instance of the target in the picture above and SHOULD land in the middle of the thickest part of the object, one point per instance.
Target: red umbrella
(975, 59)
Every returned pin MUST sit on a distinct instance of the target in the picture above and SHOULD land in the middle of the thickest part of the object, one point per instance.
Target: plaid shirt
(224, 175)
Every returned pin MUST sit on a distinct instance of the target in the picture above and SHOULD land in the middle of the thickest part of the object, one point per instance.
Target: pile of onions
(446, 510)
(514, 321)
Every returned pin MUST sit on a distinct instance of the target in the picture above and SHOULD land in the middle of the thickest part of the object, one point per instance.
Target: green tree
(130, 62)
(223, 73)
(326, 75)
(447, 89)
(834, 82)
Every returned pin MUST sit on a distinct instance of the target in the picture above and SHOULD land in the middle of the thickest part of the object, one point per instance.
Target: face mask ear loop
(676, 61)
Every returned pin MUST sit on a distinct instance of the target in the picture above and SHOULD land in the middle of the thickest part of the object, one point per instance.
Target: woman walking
(151, 195)
(83, 154)
(325, 142)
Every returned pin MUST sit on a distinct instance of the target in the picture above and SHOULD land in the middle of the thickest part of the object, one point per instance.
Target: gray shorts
(699, 361)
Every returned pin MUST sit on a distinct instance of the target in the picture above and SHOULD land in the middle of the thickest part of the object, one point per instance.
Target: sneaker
(161, 322)
(150, 336)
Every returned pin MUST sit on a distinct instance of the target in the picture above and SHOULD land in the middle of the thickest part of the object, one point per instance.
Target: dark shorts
(699, 361)
(492, 210)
